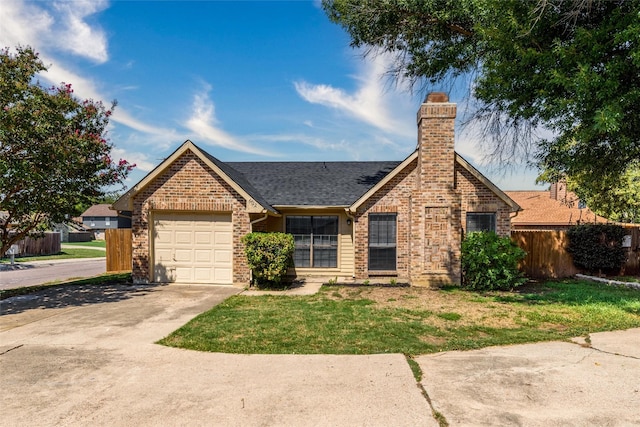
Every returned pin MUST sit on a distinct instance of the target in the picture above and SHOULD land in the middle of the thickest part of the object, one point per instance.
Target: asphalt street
(39, 272)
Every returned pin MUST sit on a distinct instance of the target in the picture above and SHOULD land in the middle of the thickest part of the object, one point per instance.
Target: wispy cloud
(205, 125)
(74, 34)
(62, 26)
(371, 102)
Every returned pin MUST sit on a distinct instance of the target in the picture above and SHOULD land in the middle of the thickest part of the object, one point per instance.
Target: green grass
(364, 320)
(104, 279)
(91, 244)
(66, 253)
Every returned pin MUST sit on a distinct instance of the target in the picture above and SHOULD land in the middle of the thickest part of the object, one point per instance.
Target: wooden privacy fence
(118, 249)
(49, 244)
(547, 255)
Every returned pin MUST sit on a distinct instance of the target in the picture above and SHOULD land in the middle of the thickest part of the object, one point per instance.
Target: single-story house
(553, 209)
(400, 219)
(100, 217)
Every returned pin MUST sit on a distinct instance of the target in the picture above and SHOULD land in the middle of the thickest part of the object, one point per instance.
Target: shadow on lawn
(73, 294)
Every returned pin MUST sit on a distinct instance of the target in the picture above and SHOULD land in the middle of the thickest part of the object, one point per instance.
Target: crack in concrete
(13, 348)
(588, 344)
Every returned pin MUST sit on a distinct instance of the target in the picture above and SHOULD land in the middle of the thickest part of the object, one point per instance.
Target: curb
(633, 285)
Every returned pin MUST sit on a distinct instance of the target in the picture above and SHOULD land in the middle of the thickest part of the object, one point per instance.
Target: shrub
(269, 255)
(597, 247)
(490, 262)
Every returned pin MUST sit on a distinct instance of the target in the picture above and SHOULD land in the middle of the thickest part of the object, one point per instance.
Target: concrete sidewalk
(544, 384)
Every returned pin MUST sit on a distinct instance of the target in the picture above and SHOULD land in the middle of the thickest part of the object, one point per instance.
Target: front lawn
(367, 319)
(65, 253)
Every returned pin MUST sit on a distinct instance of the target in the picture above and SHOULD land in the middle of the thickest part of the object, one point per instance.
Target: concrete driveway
(84, 360)
(86, 356)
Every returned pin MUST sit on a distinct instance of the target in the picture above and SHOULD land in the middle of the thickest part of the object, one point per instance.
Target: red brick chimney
(436, 209)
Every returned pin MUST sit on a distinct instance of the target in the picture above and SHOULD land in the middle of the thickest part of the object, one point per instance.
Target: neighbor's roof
(102, 209)
(538, 208)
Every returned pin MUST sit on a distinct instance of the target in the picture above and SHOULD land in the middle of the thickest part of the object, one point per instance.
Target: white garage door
(193, 248)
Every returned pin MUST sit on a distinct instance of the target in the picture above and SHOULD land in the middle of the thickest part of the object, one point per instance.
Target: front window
(481, 222)
(316, 240)
(382, 242)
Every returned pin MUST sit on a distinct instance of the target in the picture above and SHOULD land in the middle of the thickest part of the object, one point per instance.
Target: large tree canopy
(53, 154)
(571, 67)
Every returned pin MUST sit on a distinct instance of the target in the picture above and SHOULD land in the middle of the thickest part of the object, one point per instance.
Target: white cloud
(75, 34)
(58, 25)
(204, 124)
(371, 103)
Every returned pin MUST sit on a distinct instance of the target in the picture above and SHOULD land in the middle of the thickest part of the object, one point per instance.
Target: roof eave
(383, 182)
(126, 201)
(490, 185)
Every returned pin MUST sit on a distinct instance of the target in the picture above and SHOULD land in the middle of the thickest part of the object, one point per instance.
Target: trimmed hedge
(490, 262)
(269, 255)
(597, 247)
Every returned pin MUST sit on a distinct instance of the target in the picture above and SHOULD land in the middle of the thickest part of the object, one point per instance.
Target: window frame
(317, 244)
(493, 222)
(375, 262)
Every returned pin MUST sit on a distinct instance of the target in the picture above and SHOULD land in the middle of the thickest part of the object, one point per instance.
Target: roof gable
(490, 185)
(230, 176)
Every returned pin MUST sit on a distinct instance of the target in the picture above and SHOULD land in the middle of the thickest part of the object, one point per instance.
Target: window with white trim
(316, 240)
(382, 241)
(481, 221)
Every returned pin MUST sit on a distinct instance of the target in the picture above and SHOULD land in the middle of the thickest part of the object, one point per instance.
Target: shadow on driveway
(71, 295)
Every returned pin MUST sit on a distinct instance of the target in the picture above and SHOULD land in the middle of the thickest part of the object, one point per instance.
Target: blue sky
(263, 80)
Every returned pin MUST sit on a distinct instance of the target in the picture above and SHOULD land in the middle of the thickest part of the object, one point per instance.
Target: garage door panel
(184, 237)
(222, 238)
(203, 237)
(203, 255)
(222, 256)
(193, 248)
(183, 255)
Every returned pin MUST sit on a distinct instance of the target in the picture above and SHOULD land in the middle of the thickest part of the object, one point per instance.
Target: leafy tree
(53, 154)
(569, 67)
(616, 203)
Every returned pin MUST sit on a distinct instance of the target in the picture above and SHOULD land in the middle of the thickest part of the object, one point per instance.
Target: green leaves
(53, 153)
(568, 67)
(490, 262)
(269, 255)
(596, 247)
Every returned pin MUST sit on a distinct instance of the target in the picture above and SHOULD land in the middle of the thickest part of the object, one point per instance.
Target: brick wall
(187, 185)
(476, 197)
(394, 197)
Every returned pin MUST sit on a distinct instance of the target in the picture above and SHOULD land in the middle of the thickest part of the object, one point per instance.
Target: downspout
(255, 221)
(353, 239)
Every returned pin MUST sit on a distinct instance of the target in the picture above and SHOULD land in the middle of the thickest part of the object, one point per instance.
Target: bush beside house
(490, 262)
(269, 255)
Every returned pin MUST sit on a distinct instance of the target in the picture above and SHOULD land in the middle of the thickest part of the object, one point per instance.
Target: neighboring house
(100, 217)
(554, 209)
(400, 219)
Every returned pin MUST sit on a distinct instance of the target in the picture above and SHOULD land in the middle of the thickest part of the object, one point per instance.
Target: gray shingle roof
(311, 183)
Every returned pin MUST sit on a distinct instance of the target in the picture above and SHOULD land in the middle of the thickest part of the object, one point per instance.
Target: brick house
(401, 219)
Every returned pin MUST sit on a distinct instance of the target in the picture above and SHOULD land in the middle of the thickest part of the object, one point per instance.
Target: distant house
(553, 209)
(399, 219)
(101, 217)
